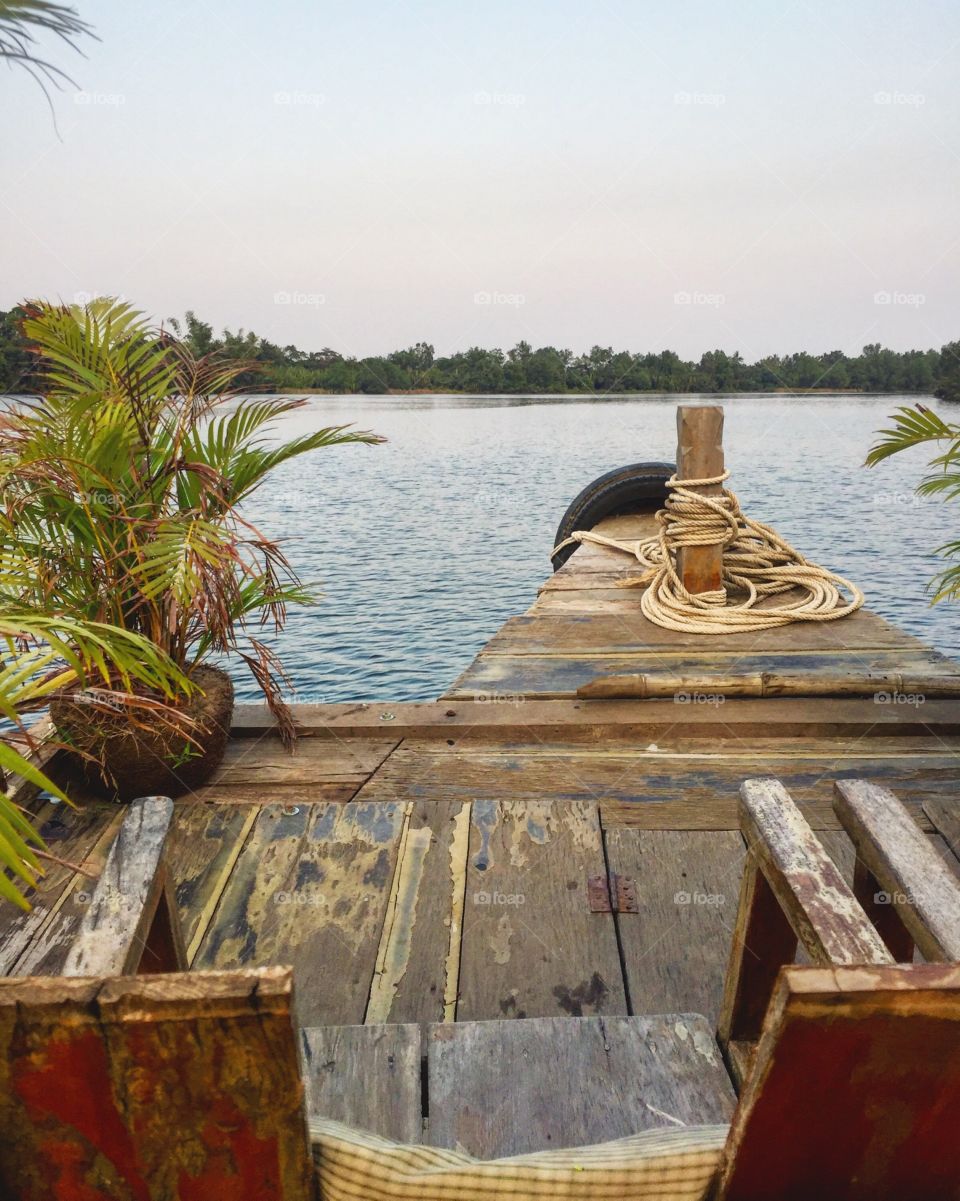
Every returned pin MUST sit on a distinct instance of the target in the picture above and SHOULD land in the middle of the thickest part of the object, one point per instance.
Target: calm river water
(426, 545)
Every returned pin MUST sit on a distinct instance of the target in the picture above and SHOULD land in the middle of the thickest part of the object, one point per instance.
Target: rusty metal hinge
(618, 894)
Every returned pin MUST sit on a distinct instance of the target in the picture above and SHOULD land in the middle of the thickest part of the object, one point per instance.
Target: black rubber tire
(637, 488)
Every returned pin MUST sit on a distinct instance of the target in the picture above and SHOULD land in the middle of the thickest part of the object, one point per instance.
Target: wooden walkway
(425, 863)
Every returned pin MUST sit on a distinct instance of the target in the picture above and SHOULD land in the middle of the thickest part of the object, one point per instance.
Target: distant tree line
(523, 369)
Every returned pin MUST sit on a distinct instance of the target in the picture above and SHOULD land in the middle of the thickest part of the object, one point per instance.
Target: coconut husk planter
(122, 755)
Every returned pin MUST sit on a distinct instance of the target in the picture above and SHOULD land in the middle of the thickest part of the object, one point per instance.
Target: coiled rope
(757, 563)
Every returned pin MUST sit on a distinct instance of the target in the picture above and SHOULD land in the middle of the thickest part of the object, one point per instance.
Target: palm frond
(912, 427)
(21, 20)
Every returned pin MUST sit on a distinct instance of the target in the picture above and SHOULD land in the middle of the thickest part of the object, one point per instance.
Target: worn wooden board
(50, 943)
(945, 815)
(264, 761)
(646, 789)
(71, 834)
(203, 846)
(601, 721)
(365, 1076)
(807, 883)
(601, 575)
(311, 890)
(605, 598)
(418, 961)
(559, 676)
(588, 556)
(175, 1086)
(119, 929)
(531, 947)
(900, 861)
(291, 793)
(675, 950)
(605, 634)
(505, 1088)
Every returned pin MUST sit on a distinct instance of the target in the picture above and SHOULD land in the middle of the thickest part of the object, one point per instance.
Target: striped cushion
(657, 1165)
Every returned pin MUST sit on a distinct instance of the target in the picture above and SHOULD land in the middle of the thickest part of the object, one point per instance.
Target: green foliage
(525, 369)
(20, 23)
(919, 426)
(40, 653)
(121, 491)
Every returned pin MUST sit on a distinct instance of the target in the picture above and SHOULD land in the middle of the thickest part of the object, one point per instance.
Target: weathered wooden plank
(855, 1089)
(178, 1086)
(675, 950)
(791, 890)
(603, 634)
(613, 600)
(365, 1076)
(589, 556)
(418, 962)
(71, 834)
(334, 761)
(595, 721)
(311, 889)
(841, 850)
(710, 671)
(945, 816)
(640, 789)
(505, 1088)
(919, 887)
(689, 746)
(602, 575)
(531, 947)
(819, 905)
(49, 945)
(203, 846)
(291, 794)
(119, 926)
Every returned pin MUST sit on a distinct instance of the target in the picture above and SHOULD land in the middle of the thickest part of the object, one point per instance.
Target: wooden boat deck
(422, 863)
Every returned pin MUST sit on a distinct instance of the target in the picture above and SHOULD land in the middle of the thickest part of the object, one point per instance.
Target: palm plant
(917, 426)
(122, 491)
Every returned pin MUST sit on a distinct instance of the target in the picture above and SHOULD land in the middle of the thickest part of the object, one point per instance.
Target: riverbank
(587, 395)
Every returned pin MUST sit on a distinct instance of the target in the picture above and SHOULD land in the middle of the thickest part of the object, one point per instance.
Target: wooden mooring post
(700, 456)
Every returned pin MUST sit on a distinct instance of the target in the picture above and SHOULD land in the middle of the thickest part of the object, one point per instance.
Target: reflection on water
(426, 545)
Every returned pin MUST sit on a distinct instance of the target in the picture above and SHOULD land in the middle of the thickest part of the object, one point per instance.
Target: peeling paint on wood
(312, 889)
(531, 946)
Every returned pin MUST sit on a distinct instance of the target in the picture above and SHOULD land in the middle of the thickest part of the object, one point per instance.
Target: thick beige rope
(757, 563)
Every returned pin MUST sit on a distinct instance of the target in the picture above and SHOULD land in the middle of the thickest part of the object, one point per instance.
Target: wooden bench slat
(132, 916)
(365, 1076)
(508, 1087)
(822, 909)
(920, 888)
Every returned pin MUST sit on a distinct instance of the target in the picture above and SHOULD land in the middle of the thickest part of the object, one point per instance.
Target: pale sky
(762, 177)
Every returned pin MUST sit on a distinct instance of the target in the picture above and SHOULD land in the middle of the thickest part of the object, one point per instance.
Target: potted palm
(122, 488)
